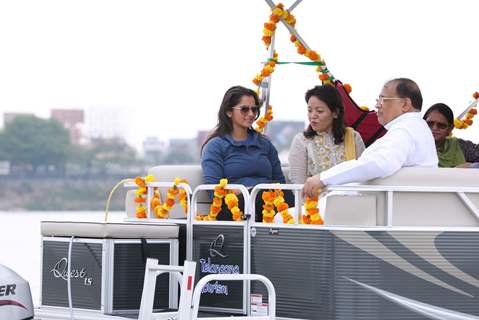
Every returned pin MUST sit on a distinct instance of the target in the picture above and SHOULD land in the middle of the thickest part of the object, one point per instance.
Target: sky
(165, 65)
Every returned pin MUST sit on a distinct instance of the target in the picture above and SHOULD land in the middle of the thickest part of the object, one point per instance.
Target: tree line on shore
(36, 147)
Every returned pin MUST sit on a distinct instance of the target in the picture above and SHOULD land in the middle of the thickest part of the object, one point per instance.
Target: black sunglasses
(246, 109)
(439, 125)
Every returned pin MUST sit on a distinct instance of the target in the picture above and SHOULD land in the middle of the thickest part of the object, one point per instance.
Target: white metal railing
(390, 190)
(235, 277)
(185, 275)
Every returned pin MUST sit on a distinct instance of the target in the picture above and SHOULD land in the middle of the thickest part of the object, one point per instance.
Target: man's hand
(312, 187)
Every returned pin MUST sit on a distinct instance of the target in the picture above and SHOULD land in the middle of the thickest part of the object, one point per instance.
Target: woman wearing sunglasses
(326, 142)
(451, 151)
(237, 152)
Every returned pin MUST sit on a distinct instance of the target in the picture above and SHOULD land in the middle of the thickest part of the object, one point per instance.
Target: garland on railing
(268, 206)
(282, 207)
(141, 192)
(161, 210)
(274, 199)
(467, 121)
(231, 201)
(312, 215)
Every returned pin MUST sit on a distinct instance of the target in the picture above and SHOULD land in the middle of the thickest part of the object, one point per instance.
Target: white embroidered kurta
(408, 143)
(310, 156)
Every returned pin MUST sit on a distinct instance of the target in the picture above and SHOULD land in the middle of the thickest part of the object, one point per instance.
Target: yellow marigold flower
(150, 178)
(140, 191)
(278, 200)
(277, 12)
(223, 182)
(267, 32)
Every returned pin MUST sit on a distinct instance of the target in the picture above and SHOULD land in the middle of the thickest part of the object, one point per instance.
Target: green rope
(305, 63)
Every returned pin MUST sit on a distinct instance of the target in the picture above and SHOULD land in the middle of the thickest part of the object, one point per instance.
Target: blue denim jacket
(248, 162)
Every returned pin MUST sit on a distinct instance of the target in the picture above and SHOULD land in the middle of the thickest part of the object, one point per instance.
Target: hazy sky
(166, 64)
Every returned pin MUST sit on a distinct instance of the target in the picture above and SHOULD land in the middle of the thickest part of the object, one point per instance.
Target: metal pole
(267, 81)
(294, 5)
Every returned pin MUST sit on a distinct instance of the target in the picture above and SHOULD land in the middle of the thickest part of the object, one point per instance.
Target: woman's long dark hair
(231, 98)
(331, 97)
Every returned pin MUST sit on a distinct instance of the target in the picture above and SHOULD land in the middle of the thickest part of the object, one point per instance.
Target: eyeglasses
(439, 125)
(246, 109)
(381, 100)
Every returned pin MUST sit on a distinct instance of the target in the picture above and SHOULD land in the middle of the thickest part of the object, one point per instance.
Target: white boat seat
(109, 230)
(413, 208)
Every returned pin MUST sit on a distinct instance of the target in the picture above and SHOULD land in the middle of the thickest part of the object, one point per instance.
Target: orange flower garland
(263, 120)
(282, 207)
(141, 192)
(268, 206)
(274, 199)
(312, 215)
(267, 70)
(276, 14)
(466, 121)
(231, 202)
(162, 211)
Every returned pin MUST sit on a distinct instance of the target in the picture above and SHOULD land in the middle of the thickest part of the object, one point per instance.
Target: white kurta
(408, 143)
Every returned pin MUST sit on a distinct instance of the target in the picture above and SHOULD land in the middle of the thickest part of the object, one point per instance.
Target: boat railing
(235, 277)
(390, 192)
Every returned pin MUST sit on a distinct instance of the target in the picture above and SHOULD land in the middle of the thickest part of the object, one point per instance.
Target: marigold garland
(274, 199)
(161, 210)
(276, 14)
(263, 120)
(141, 192)
(268, 206)
(267, 70)
(231, 201)
(269, 27)
(312, 215)
(467, 121)
(282, 207)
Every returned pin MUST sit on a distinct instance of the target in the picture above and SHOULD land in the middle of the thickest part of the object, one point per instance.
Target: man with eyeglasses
(408, 142)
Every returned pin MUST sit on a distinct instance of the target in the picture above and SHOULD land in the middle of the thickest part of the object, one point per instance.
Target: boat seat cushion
(109, 230)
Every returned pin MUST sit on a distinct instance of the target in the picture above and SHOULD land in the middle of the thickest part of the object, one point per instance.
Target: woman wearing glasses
(235, 151)
(451, 151)
(326, 142)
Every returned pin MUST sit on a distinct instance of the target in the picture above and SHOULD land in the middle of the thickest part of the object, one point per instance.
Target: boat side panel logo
(216, 247)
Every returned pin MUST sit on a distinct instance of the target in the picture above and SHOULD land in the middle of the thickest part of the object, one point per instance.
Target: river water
(20, 239)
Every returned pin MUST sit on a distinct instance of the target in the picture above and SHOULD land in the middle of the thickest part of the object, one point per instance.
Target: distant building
(10, 116)
(72, 120)
(182, 151)
(154, 149)
(105, 122)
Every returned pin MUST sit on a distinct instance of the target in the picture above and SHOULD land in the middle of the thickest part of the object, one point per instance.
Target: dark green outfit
(450, 154)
